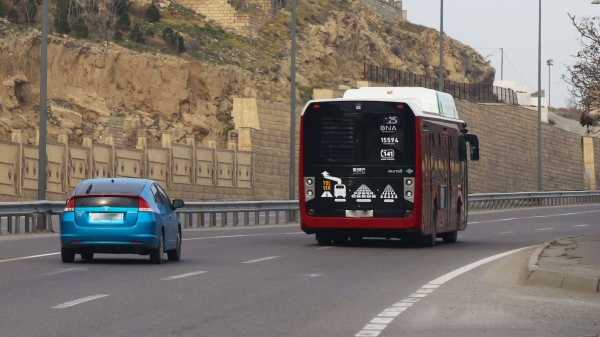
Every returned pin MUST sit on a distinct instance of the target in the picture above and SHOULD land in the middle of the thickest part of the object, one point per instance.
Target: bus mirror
(474, 146)
(462, 148)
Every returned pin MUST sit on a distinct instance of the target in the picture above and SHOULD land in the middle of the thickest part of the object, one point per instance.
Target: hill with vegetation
(162, 67)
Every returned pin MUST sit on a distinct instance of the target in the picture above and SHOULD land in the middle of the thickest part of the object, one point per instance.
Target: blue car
(120, 216)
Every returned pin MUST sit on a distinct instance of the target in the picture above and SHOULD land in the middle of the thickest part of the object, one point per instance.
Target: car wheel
(67, 255)
(87, 256)
(175, 254)
(157, 254)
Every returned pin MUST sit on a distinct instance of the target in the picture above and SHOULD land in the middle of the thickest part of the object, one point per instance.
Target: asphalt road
(275, 281)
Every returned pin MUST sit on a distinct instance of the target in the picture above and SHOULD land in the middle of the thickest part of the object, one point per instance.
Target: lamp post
(292, 194)
(550, 64)
(441, 75)
(539, 95)
(43, 104)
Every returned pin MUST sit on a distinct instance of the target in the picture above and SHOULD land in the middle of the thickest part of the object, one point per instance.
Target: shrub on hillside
(118, 36)
(152, 13)
(81, 29)
(120, 6)
(13, 16)
(167, 33)
(150, 32)
(2, 9)
(173, 39)
(136, 34)
(61, 17)
(138, 10)
(124, 21)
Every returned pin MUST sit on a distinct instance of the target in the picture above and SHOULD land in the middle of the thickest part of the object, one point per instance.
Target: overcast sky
(512, 25)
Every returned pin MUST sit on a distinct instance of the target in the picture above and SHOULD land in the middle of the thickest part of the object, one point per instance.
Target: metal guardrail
(38, 215)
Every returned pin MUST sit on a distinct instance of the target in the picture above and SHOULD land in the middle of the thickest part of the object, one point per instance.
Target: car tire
(67, 255)
(175, 254)
(157, 254)
(87, 256)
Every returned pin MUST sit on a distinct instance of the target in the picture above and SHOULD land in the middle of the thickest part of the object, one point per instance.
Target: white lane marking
(239, 236)
(325, 247)
(28, 257)
(580, 225)
(262, 259)
(379, 323)
(543, 229)
(182, 275)
(533, 217)
(65, 270)
(79, 301)
(503, 232)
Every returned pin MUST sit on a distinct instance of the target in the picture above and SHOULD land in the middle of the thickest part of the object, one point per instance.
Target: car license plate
(106, 216)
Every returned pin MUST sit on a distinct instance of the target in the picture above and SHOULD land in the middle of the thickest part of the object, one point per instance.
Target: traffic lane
(476, 217)
(18, 246)
(493, 300)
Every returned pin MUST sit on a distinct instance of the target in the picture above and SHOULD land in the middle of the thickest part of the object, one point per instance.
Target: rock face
(154, 92)
(86, 87)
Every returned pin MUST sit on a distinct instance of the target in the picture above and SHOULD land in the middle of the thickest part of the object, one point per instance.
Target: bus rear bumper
(380, 226)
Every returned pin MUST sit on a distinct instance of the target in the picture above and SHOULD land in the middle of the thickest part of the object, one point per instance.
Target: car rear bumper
(139, 239)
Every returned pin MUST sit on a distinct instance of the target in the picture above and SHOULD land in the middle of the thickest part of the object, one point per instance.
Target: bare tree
(584, 76)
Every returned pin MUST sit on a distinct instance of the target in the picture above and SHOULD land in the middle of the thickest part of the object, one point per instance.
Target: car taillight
(70, 206)
(143, 206)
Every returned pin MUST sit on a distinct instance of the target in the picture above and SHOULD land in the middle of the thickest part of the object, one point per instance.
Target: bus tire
(430, 239)
(451, 237)
(323, 239)
(340, 240)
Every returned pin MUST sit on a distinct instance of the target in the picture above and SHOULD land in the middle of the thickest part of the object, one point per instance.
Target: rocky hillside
(192, 93)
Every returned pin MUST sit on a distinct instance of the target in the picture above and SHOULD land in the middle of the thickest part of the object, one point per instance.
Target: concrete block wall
(227, 16)
(271, 147)
(389, 11)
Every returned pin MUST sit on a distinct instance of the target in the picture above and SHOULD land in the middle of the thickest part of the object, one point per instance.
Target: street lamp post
(550, 64)
(292, 194)
(441, 75)
(539, 94)
(43, 104)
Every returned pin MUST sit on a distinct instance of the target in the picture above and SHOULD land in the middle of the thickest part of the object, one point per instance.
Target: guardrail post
(277, 217)
(246, 218)
(212, 219)
(9, 225)
(28, 228)
(256, 218)
(18, 224)
(267, 217)
(200, 219)
(224, 219)
(235, 218)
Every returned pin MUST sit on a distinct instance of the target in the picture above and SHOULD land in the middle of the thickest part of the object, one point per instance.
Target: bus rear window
(379, 133)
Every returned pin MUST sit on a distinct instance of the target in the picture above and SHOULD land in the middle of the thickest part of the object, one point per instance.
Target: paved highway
(275, 281)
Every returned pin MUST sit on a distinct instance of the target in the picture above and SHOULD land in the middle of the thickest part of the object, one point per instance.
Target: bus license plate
(359, 214)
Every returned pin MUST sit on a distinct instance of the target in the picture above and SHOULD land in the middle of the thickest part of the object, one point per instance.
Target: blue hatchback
(120, 216)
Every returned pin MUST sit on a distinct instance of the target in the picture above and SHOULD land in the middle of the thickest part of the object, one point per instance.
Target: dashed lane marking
(64, 270)
(504, 233)
(239, 236)
(182, 275)
(28, 257)
(543, 229)
(325, 247)
(79, 301)
(384, 318)
(262, 259)
(581, 225)
(532, 217)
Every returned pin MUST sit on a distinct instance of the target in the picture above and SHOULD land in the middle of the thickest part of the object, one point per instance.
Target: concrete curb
(548, 278)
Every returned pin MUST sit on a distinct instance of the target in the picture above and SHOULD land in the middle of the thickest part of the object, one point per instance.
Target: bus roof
(430, 101)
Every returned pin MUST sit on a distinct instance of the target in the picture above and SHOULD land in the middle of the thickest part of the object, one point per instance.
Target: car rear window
(124, 202)
(109, 188)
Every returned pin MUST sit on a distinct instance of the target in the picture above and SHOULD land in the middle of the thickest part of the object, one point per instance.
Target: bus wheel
(451, 237)
(340, 240)
(323, 239)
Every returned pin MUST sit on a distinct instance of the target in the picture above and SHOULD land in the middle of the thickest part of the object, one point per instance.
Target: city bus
(387, 162)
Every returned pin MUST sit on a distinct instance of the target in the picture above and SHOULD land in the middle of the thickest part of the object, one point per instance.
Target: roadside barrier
(38, 216)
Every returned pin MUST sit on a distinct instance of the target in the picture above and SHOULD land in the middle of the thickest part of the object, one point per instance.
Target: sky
(488, 25)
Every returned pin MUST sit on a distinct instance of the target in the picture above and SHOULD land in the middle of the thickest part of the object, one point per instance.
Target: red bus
(384, 162)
